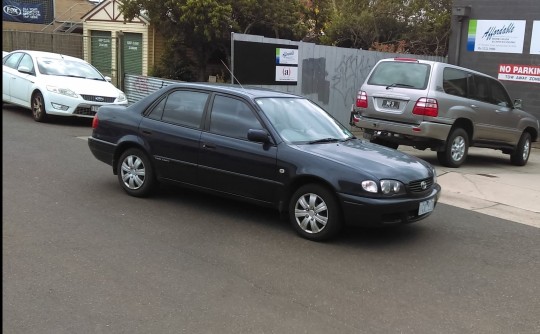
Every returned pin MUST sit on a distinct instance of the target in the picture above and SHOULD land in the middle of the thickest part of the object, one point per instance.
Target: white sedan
(55, 84)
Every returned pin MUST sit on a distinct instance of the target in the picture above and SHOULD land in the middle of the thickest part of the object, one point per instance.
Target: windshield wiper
(324, 140)
(397, 84)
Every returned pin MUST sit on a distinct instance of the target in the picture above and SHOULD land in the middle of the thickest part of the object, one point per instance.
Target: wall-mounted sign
(286, 56)
(504, 36)
(286, 73)
(524, 73)
(23, 12)
(535, 38)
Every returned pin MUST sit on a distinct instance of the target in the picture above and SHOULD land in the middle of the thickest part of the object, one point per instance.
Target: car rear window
(400, 74)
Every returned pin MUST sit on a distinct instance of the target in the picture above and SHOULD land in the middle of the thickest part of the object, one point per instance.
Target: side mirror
(108, 79)
(518, 104)
(258, 135)
(24, 69)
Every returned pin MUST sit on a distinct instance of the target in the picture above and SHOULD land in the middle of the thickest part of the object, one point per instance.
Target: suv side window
(499, 96)
(184, 108)
(480, 88)
(455, 82)
(232, 117)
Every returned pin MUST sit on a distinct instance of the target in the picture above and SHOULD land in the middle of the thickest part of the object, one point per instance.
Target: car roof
(44, 54)
(247, 91)
(434, 63)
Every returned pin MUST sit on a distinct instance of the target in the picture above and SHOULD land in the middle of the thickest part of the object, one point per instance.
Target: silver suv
(445, 108)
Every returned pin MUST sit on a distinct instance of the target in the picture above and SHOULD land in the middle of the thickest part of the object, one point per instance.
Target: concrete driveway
(487, 183)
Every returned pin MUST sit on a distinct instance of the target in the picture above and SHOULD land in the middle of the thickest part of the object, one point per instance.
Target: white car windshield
(299, 120)
(68, 68)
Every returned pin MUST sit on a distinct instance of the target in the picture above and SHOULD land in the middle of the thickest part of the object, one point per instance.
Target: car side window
(184, 108)
(480, 89)
(499, 96)
(232, 117)
(455, 82)
(27, 62)
(13, 60)
(157, 112)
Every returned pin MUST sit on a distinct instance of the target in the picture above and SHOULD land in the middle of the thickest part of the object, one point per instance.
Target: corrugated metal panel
(138, 86)
(132, 52)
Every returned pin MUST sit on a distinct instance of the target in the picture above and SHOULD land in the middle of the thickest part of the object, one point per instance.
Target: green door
(132, 53)
(101, 52)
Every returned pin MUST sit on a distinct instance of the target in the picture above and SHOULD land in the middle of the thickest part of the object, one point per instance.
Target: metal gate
(101, 51)
(132, 53)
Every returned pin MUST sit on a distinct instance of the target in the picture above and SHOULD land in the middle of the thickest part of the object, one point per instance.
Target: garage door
(132, 53)
(101, 53)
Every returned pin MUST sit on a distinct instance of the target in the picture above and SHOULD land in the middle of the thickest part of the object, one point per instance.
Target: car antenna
(231, 73)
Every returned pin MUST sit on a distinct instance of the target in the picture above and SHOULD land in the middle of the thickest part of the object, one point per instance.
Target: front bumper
(87, 106)
(363, 211)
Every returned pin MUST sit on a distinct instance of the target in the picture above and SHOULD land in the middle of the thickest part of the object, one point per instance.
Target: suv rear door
(394, 87)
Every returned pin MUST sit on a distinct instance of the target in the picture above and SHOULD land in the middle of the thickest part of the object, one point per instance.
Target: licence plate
(390, 104)
(94, 108)
(426, 206)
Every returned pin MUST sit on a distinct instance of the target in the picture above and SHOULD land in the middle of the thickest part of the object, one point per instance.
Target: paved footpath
(489, 184)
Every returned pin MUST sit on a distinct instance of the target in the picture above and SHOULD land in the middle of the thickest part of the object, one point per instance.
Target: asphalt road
(80, 256)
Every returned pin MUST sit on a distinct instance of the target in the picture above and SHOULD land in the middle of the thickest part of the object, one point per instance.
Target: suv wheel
(314, 212)
(521, 155)
(455, 150)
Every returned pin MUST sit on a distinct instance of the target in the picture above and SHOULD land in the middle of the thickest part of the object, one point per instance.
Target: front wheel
(38, 107)
(455, 150)
(314, 212)
(521, 155)
(135, 173)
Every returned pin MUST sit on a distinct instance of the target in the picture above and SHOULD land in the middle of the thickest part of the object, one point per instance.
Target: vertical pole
(232, 57)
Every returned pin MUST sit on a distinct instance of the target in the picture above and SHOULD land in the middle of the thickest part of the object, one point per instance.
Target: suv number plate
(426, 206)
(390, 104)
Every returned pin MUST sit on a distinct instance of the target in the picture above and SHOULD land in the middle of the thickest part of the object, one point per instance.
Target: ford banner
(23, 12)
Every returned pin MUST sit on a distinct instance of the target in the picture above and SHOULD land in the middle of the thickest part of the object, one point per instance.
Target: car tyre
(135, 173)
(521, 155)
(314, 212)
(38, 107)
(455, 150)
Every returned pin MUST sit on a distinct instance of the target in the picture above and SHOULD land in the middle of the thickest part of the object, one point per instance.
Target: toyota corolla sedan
(265, 147)
(55, 84)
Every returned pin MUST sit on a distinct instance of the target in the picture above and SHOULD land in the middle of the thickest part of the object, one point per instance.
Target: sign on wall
(535, 38)
(505, 36)
(265, 63)
(524, 73)
(24, 12)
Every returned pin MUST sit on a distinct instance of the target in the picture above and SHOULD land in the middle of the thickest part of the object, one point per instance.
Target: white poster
(286, 56)
(286, 73)
(504, 36)
(535, 38)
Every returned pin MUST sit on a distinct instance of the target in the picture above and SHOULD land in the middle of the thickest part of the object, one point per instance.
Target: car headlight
(63, 91)
(121, 97)
(387, 187)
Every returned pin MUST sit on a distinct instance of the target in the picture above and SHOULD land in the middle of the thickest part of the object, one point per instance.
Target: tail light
(95, 122)
(427, 107)
(361, 99)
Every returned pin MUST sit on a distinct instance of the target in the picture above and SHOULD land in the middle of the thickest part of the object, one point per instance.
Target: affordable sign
(525, 73)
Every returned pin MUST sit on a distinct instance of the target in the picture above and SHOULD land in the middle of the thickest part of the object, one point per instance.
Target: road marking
(84, 137)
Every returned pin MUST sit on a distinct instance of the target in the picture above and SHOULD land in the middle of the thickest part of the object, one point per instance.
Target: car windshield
(299, 120)
(68, 68)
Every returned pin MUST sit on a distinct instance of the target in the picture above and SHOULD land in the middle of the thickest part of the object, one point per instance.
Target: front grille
(95, 98)
(421, 185)
(85, 111)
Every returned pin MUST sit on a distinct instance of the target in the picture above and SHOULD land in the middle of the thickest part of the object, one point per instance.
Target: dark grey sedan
(265, 147)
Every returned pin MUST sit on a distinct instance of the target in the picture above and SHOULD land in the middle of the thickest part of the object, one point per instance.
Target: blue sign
(14, 11)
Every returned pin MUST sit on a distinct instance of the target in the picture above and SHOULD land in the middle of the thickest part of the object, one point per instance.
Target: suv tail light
(427, 107)
(361, 99)
(95, 122)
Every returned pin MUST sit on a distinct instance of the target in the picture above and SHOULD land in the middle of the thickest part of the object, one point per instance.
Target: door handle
(474, 106)
(207, 146)
(146, 132)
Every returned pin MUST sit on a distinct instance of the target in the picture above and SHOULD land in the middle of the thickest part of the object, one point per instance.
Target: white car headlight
(121, 97)
(370, 186)
(63, 91)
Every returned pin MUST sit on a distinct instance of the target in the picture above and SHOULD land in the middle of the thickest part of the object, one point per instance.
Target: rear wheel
(314, 212)
(455, 150)
(521, 155)
(38, 107)
(135, 173)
